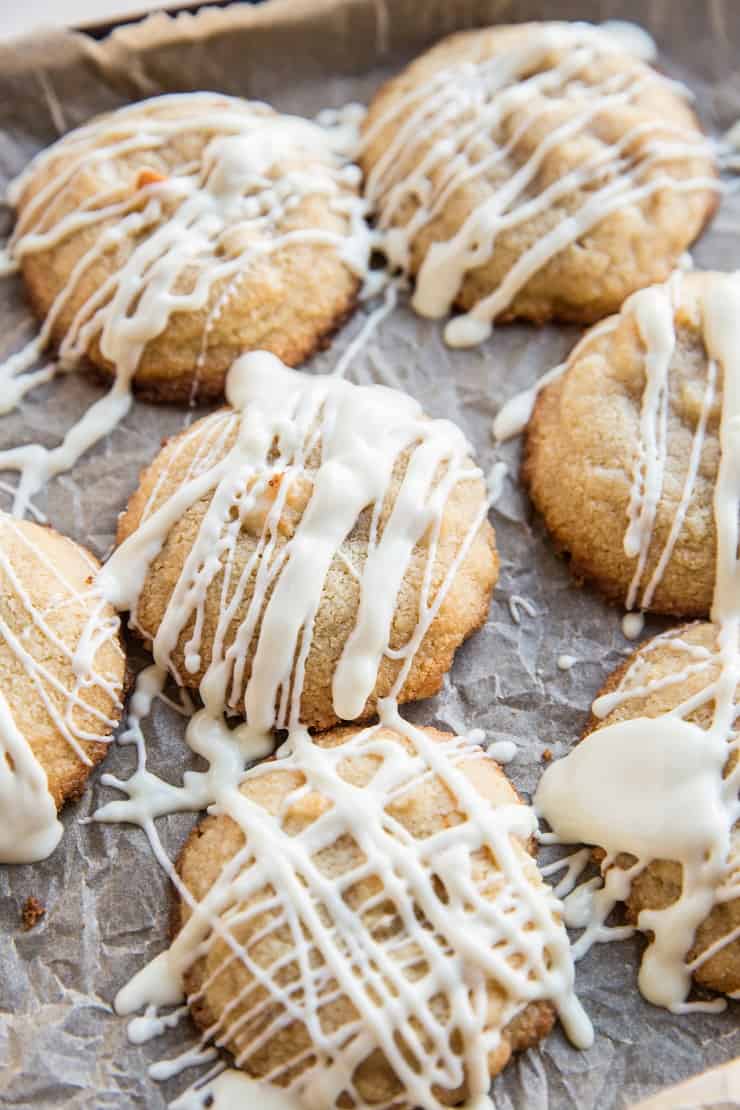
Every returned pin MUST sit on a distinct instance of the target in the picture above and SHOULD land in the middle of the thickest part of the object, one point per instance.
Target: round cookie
(263, 921)
(533, 171)
(653, 666)
(603, 473)
(368, 525)
(163, 240)
(63, 672)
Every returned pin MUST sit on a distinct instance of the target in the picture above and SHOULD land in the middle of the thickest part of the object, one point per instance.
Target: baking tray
(107, 901)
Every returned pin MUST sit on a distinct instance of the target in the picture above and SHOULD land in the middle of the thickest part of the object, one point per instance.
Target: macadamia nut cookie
(535, 171)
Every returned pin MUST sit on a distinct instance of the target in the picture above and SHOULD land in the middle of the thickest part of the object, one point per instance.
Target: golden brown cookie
(660, 665)
(177, 233)
(270, 521)
(603, 473)
(534, 171)
(244, 974)
(62, 664)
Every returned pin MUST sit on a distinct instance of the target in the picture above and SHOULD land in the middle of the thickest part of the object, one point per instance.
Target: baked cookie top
(164, 239)
(315, 548)
(370, 923)
(534, 171)
(63, 671)
(622, 452)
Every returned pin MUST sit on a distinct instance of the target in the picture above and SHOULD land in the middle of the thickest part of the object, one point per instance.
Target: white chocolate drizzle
(211, 219)
(609, 789)
(280, 416)
(30, 830)
(513, 417)
(234, 1090)
(429, 157)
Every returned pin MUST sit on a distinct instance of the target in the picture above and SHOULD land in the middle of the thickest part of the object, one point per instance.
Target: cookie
(337, 968)
(534, 171)
(622, 452)
(659, 668)
(63, 672)
(163, 240)
(655, 785)
(316, 548)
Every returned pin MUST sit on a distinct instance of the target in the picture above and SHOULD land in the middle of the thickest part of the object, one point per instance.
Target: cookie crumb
(547, 755)
(32, 912)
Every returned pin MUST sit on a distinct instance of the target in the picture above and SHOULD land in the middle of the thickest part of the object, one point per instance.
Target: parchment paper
(107, 902)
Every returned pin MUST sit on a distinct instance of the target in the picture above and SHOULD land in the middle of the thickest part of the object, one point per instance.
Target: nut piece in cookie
(534, 171)
(622, 452)
(350, 910)
(63, 671)
(163, 240)
(320, 546)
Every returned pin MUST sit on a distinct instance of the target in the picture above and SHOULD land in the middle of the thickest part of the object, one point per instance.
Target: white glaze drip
(518, 605)
(610, 788)
(211, 220)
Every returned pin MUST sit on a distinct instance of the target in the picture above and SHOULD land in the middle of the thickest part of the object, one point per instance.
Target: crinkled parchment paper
(107, 902)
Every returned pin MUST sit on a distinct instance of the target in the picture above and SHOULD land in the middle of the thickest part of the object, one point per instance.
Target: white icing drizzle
(29, 830)
(513, 417)
(503, 751)
(457, 108)
(518, 604)
(608, 790)
(653, 310)
(631, 38)
(280, 417)
(212, 218)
